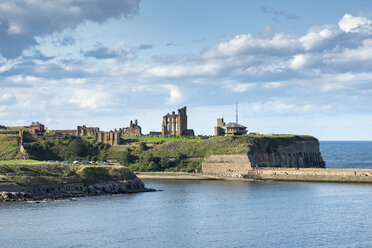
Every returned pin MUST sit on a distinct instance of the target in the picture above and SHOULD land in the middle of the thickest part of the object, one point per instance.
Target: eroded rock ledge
(14, 192)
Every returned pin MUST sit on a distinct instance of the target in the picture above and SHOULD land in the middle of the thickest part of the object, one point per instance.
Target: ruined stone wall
(133, 130)
(86, 131)
(176, 124)
(112, 138)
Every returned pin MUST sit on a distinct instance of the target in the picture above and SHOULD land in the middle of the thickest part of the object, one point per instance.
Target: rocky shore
(13, 192)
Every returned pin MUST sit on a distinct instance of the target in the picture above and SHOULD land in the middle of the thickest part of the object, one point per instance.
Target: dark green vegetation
(35, 174)
(66, 148)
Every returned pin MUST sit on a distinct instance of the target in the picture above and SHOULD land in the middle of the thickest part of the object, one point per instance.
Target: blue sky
(294, 66)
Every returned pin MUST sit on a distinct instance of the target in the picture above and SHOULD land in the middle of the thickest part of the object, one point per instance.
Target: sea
(211, 213)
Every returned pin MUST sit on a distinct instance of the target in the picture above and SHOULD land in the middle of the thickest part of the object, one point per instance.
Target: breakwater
(10, 191)
(305, 175)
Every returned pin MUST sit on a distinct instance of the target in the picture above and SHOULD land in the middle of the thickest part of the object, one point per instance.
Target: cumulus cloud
(319, 37)
(22, 20)
(278, 44)
(353, 24)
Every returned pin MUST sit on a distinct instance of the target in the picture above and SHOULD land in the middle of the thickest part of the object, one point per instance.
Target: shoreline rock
(53, 192)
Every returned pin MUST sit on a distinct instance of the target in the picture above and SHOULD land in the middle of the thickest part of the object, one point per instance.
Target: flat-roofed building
(229, 129)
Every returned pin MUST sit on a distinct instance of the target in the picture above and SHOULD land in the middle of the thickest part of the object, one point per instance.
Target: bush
(77, 148)
(127, 158)
(143, 146)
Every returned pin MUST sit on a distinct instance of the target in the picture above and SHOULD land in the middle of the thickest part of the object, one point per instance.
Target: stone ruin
(176, 124)
(112, 138)
(133, 130)
(86, 131)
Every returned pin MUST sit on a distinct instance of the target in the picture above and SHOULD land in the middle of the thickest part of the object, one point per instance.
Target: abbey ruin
(176, 124)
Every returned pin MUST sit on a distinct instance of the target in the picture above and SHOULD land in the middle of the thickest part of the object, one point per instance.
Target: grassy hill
(8, 145)
(187, 156)
(44, 173)
(147, 153)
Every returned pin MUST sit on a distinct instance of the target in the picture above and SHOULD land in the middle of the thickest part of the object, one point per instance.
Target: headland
(88, 161)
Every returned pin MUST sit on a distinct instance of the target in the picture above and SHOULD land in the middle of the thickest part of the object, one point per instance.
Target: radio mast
(236, 112)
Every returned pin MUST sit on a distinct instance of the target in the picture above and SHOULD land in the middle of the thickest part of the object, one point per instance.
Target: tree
(77, 148)
(127, 158)
(143, 146)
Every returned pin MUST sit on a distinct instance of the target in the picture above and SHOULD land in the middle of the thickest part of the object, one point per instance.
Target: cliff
(301, 152)
(275, 151)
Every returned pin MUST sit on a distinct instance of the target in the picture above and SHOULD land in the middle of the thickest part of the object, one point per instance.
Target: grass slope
(9, 145)
(35, 174)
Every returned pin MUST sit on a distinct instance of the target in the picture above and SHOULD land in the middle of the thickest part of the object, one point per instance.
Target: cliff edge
(269, 151)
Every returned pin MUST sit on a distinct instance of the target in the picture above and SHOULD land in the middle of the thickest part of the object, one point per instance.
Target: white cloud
(246, 43)
(351, 55)
(301, 61)
(317, 37)
(273, 85)
(90, 99)
(175, 95)
(240, 87)
(352, 24)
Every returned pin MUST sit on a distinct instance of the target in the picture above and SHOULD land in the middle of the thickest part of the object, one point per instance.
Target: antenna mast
(236, 112)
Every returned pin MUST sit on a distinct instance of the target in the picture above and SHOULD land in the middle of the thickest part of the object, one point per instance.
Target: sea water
(199, 214)
(347, 154)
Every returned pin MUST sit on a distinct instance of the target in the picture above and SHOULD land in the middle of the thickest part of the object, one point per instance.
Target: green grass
(21, 161)
(159, 138)
(9, 146)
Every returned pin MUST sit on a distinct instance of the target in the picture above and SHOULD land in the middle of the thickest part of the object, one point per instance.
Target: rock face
(60, 191)
(299, 153)
(296, 152)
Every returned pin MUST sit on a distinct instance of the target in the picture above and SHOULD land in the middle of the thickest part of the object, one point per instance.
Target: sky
(300, 67)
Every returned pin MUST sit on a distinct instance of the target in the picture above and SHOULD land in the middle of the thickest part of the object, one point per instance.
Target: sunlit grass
(21, 161)
(159, 138)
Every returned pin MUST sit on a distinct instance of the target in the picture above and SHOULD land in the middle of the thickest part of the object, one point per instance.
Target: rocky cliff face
(284, 152)
(303, 153)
